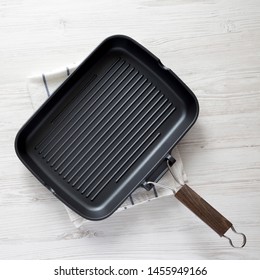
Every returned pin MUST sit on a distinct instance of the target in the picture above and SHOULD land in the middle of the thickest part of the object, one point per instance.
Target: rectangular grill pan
(108, 128)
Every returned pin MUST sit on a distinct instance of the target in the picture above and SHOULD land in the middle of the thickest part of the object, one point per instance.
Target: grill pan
(108, 129)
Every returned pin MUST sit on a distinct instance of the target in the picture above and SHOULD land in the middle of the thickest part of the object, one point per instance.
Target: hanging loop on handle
(239, 233)
(202, 209)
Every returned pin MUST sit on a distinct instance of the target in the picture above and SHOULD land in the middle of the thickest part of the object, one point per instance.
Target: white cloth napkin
(42, 86)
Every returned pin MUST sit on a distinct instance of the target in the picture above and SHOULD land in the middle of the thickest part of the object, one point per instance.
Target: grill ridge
(67, 128)
(92, 121)
(138, 139)
(118, 152)
(129, 113)
(76, 154)
(107, 129)
(123, 95)
(126, 160)
(122, 138)
(72, 113)
(82, 88)
(143, 150)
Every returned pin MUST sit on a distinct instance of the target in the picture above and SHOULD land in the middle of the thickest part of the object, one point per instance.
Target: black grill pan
(108, 129)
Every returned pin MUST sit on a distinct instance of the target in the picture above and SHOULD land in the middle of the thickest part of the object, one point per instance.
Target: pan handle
(203, 210)
(207, 213)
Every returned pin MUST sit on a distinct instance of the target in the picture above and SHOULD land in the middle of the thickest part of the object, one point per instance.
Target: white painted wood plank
(214, 46)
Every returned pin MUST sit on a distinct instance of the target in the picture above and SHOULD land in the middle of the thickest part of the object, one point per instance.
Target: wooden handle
(203, 210)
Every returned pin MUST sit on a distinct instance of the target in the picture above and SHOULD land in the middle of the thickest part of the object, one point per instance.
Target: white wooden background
(214, 46)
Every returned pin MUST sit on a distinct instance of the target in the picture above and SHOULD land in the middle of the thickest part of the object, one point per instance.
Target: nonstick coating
(108, 128)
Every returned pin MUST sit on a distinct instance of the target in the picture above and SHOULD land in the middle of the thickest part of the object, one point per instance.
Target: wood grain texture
(203, 210)
(214, 47)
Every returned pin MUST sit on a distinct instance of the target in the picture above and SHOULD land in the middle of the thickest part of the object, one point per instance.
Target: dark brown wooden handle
(203, 210)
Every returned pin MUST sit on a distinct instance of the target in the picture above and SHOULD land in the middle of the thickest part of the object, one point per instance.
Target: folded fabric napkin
(42, 86)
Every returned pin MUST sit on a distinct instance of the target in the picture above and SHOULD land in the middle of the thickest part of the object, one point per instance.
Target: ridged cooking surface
(105, 130)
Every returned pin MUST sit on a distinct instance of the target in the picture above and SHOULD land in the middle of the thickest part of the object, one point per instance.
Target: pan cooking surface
(108, 128)
(105, 130)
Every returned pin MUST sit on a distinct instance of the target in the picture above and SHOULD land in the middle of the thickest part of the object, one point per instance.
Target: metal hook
(162, 186)
(174, 177)
(240, 233)
(174, 190)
